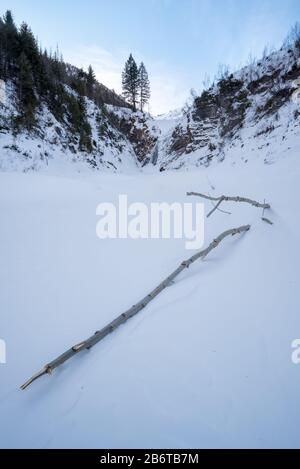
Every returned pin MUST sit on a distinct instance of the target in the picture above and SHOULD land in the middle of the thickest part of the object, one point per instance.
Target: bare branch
(216, 207)
(220, 210)
(99, 335)
(225, 198)
(224, 211)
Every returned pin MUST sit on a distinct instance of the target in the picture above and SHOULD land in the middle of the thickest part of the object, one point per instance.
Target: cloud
(106, 67)
(168, 90)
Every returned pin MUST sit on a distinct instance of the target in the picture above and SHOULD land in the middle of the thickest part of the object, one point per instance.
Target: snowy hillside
(120, 139)
(55, 114)
(207, 364)
(168, 121)
(249, 114)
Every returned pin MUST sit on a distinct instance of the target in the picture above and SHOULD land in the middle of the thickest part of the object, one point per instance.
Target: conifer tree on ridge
(130, 82)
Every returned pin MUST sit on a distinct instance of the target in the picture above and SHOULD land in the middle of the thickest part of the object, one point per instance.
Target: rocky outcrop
(237, 111)
(139, 129)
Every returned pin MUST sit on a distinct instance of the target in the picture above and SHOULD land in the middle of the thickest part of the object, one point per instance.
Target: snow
(207, 364)
(263, 136)
(52, 144)
(168, 121)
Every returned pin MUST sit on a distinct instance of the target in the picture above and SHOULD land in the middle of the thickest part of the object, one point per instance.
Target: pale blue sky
(179, 40)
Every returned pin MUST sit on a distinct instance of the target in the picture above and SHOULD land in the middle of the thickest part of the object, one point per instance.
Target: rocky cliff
(246, 114)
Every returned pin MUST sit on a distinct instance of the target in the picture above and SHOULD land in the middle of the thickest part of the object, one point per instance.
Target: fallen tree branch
(225, 198)
(99, 335)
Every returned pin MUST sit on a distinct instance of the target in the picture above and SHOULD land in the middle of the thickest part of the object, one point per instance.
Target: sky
(180, 41)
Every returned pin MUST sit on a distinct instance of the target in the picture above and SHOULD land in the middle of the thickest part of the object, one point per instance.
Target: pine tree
(28, 43)
(8, 19)
(9, 44)
(57, 65)
(130, 82)
(90, 81)
(27, 98)
(42, 77)
(2, 50)
(29, 46)
(144, 86)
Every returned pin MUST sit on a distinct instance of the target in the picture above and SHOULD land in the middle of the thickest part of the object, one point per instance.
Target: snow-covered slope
(249, 114)
(207, 364)
(53, 143)
(166, 122)
(121, 139)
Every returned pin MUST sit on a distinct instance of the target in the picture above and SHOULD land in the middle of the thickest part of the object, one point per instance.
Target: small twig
(99, 335)
(263, 214)
(224, 211)
(264, 218)
(267, 221)
(216, 207)
(211, 185)
(219, 209)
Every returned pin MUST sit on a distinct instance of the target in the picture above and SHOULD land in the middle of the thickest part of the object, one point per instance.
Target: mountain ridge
(54, 110)
(245, 111)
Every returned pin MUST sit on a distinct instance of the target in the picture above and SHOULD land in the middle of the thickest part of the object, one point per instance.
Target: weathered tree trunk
(99, 335)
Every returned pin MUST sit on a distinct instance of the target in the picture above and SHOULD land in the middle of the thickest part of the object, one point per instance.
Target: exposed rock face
(182, 139)
(212, 116)
(246, 114)
(235, 112)
(140, 130)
